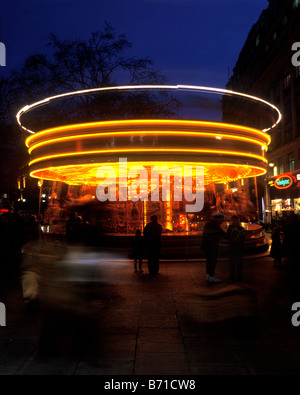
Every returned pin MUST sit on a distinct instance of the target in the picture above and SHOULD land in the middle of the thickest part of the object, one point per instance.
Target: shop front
(284, 194)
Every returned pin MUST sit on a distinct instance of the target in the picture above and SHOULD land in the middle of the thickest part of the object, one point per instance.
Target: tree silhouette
(77, 64)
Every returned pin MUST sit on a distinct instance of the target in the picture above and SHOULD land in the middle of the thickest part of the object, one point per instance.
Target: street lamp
(40, 184)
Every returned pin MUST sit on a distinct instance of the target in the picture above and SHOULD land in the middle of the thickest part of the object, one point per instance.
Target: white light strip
(30, 107)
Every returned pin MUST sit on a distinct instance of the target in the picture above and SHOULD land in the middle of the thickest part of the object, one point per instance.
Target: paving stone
(105, 367)
(13, 355)
(208, 351)
(161, 363)
(160, 340)
(58, 366)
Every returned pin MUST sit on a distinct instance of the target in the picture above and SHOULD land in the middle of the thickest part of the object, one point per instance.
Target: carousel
(224, 134)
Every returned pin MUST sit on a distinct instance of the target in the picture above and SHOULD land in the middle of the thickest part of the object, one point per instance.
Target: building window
(275, 171)
(284, 21)
(291, 161)
(286, 81)
(277, 89)
(280, 166)
(257, 40)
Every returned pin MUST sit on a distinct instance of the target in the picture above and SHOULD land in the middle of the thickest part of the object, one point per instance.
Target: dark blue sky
(190, 41)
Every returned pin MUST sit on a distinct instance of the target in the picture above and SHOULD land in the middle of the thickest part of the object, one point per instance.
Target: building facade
(265, 69)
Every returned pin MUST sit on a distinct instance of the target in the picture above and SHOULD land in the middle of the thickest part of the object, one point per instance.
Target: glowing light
(283, 182)
(77, 174)
(112, 134)
(198, 151)
(32, 106)
(66, 153)
(145, 213)
(145, 123)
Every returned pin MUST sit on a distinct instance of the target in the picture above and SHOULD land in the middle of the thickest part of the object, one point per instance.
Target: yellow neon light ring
(155, 123)
(86, 174)
(200, 151)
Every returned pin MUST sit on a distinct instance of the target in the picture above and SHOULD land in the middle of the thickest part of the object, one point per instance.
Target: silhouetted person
(31, 271)
(276, 247)
(33, 231)
(236, 236)
(292, 238)
(138, 250)
(15, 229)
(73, 229)
(152, 233)
(210, 245)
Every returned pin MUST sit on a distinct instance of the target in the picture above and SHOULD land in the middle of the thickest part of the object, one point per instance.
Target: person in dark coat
(236, 236)
(210, 244)
(292, 238)
(73, 229)
(138, 250)
(152, 234)
(276, 251)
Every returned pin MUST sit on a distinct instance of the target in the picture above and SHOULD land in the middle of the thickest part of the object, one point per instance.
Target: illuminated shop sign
(283, 182)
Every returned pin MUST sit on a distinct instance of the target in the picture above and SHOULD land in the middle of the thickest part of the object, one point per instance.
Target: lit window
(280, 168)
(291, 162)
(285, 20)
(277, 89)
(286, 81)
(275, 171)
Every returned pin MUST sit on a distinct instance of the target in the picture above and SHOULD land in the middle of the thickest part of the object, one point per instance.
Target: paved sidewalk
(169, 324)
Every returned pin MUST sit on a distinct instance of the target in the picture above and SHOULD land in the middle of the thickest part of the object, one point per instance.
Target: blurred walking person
(276, 251)
(236, 237)
(292, 238)
(210, 245)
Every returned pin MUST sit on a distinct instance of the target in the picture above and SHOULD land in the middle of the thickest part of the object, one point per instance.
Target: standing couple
(210, 245)
(152, 236)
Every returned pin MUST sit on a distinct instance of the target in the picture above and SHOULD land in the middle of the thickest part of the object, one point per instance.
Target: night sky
(190, 41)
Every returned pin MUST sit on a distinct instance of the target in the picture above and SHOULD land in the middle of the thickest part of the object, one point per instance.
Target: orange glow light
(199, 151)
(78, 174)
(146, 122)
